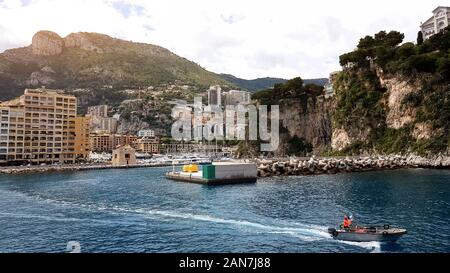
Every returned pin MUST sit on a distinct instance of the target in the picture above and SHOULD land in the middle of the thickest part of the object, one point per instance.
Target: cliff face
(305, 124)
(47, 43)
(398, 88)
(308, 120)
(403, 122)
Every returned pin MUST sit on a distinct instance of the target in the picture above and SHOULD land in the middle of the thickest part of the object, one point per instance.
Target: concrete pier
(179, 176)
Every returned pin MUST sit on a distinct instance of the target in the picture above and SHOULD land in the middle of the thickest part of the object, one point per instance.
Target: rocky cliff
(305, 123)
(309, 121)
(393, 98)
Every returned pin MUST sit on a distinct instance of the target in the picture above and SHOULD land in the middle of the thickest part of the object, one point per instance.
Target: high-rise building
(215, 95)
(82, 133)
(98, 111)
(38, 127)
(104, 124)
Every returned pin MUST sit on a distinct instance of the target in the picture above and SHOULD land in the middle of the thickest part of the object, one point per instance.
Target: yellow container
(193, 168)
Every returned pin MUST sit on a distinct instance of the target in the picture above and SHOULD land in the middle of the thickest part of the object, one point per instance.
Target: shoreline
(72, 167)
(276, 167)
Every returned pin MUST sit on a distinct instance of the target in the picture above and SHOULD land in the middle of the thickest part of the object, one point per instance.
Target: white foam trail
(302, 232)
(305, 232)
(374, 246)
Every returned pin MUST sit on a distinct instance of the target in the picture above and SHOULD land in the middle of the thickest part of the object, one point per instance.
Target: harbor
(140, 210)
(266, 167)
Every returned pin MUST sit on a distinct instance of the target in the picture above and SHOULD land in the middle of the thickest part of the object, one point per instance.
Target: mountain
(92, 60)
(264, 83)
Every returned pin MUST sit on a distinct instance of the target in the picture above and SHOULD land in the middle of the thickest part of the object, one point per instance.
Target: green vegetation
(292, 89)
(430, 56)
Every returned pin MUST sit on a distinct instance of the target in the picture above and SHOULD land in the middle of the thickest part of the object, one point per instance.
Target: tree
(366, 42)
(419, 38)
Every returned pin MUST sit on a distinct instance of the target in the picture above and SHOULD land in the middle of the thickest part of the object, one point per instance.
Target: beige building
(82, 133)
(38, 127)
(437, 22)
(124, 155)
(148, 145)
(106, 142)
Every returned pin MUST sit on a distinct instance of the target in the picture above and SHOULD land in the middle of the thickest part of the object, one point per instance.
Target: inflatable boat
(367, 234)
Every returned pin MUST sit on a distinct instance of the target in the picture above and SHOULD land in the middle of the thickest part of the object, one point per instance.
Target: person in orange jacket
(347, 222)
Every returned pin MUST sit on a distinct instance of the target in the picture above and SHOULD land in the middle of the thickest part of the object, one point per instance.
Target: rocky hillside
(393, 97)
(92, 60)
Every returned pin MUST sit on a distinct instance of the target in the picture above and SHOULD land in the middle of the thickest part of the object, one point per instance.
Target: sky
(246, 38)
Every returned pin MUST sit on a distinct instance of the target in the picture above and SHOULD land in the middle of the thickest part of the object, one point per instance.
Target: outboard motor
(333, 232)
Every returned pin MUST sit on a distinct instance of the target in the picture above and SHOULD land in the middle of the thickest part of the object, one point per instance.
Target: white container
(227, 170)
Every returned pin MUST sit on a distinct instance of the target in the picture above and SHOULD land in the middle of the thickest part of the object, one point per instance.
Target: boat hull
(379, 235)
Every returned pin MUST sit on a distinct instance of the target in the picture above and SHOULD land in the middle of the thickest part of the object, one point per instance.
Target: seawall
(332, 165)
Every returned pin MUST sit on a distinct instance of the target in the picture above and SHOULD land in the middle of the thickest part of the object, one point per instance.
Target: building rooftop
(47, 91)
(13, 102)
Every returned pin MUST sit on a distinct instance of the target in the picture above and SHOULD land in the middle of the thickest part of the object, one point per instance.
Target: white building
(98, 111)
(439, 21)
(215, 95)
(328, 88)
(146, 133)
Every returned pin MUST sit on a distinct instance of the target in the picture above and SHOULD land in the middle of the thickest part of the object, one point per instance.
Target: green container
(208, 172)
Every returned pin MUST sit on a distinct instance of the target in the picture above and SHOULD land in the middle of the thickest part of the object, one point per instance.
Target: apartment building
(98, 111)
(148, 145)
(38, 127)
(106, 142)
(82, 133)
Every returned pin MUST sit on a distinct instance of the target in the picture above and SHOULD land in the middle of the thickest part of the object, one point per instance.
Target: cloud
(249, 39)
(127, 9)
(231, 19)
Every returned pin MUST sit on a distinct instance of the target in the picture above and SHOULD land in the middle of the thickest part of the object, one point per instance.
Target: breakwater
(72, 167)
(332, 165)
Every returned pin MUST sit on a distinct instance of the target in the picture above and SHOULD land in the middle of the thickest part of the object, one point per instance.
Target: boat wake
(374, 247)
(304, 232)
